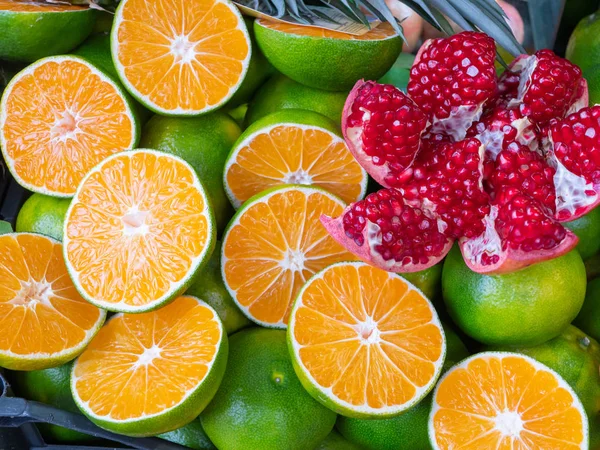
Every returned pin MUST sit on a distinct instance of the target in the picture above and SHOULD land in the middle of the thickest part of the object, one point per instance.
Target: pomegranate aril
(527, 171)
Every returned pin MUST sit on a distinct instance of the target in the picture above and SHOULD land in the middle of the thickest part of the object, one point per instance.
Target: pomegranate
(518, 160)
(452, 78)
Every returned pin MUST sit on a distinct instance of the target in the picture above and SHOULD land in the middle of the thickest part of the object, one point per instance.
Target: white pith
(180, 48)
(460, 120)
(488, 243)
(298, 176)
(134, 222)
(368, 334)
(69, 116)
(493, 139)
(139, 231)
(508, 422)
(32, 293)
(572, 191)
(293, 260)
(147, 358)
(526, 67)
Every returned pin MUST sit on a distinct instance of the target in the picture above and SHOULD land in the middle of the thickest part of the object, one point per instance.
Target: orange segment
(366, 340)
(289, 153)
(504, 400)
(147, 364)
(275, 244)
(383, 31)
(43, 323)
(59, 118)
(137, 230)
(33, 6)
(180, 58)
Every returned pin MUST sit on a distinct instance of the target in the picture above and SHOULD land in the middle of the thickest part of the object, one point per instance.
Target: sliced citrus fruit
(180, 57)
(60, 117)
(275, 243)
(31, 30)
(506, 401)
(293, 147)
(44, 322)
(137, 230)
(146, 374)
(326, 59)
(365, 342)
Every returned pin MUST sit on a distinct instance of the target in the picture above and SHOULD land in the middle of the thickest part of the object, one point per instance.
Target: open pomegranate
(495, 165)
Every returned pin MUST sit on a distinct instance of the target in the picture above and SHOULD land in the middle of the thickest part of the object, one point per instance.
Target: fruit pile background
(254, 185)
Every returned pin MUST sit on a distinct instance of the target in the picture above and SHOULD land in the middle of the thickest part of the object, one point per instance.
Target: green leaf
(448, 9)
(5, 227)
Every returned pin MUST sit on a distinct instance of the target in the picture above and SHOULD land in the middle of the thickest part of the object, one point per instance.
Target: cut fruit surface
(33, 6)
(383, 31)
(44, 322)
(273, 245)
(137, 230)
(506, 401)
(293, 147)
(151, 373)
(59, 118)
(180, 58)
(365, 342)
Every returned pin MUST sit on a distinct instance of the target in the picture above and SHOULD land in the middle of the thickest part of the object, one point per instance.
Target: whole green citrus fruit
(43, 214)
(429, 281)
(191, 436)
(407, 431)
(589, 316)
(50, 386)
(208, 286)
(587, 229)
(204, 142)
(584, 50)
(527, 307)
(335, 441)
(261, 403)
(280, 92)
(399, 73)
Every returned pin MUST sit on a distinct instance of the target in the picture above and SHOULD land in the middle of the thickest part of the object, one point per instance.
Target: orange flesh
(40, 310)
(367, 335)
(470, 400)
(135, 227)
(383, 31)
(32, 6)
(142, 364)
(283, 230)
(62, 118)
(182, 56)
(288, 154)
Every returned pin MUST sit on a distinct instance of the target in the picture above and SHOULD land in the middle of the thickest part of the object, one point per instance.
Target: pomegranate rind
(368, 254)
(512, 260)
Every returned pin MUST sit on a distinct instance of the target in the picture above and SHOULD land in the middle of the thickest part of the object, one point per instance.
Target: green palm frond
(484, 15)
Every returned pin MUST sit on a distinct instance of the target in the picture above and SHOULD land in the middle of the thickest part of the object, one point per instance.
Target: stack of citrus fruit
(235, 320)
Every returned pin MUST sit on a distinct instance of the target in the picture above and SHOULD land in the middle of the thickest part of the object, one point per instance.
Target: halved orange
(365, 342)
(59, 118)
(506, 401)
(293, 147)
(44, 322)
(137, 230)
(180, 57)
(146, 374)
(275, 243)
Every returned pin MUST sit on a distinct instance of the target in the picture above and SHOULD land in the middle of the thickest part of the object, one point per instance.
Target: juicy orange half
(383, 31)
(273, 245)
(180, 57)
(44, 322)
(365, 342)
(138, 228)
(59, 118)
(288, 153)
(33, 6)
(146, 374)
(506, 401)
